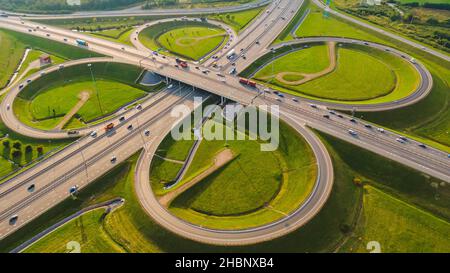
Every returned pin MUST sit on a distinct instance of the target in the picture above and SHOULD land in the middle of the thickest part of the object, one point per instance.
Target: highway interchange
(88, 158)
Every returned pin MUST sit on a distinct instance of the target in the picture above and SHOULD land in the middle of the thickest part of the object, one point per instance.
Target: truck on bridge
(247, 82)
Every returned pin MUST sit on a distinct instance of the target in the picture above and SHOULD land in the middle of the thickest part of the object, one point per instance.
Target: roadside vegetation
(133, 231)
(44, 102)
(426, 21)
(429, 119)
(254, 188)
(362, 74)
(17, 151)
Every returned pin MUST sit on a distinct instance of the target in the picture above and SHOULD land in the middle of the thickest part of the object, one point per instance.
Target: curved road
(423, 89)
(296, 219)
(436, 53)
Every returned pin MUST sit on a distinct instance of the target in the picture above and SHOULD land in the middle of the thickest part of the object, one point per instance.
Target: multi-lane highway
(83, 164)
(137, 11)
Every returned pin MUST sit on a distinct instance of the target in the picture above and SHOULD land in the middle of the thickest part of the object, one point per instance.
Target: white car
(381, 130)
(113, 159)
(93, 134)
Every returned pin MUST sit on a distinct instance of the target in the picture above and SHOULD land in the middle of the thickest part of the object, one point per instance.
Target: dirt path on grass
(196, 40)
(83, 96)
(219, 160)
(309, 77)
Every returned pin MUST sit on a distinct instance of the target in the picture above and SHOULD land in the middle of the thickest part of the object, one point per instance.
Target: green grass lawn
(310, 60)
(192, 42)
(59, 91)
(61, 98)
(238, 20)
(10, 56)
(33, 55)
(115, 35)
(315, 24)
(380, 76)
(358, 76)
(183, 38)
(87, 230)
(410, 229)
(256, 187)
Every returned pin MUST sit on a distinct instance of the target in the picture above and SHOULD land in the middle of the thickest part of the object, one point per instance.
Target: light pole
(95, 87)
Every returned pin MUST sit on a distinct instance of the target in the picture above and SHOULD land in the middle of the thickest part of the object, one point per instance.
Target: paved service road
(436, 53)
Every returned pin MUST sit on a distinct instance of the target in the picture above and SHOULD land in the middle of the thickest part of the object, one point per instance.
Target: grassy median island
(360, 74)
(252, 188)
(69, 96)
(188, 39)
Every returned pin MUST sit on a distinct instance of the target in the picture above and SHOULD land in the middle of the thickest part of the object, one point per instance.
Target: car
(93, 134)
(295, 99)
(421, 145)
(279, 100)
(368, 126)
(61, 66)
(8, 106)
(326, 116)
(340, 116)
(281, 95)
(21, 86)
(400, 140)
(123, 48)
(353, 120)
(48, 35)
(381, 130)
(244, 57)
(130, 127)
(113, 159)
(72, 132)
(257, 42)
(197, 67)
(147, 132)
(29, 80)
(122, 118)
(31, 188)
(177, 66)
(65, 39)
(13, 219)
(313, 106)
(351, 132)
(332, 112)
(403, 138)
(139, 107)
(73, 189)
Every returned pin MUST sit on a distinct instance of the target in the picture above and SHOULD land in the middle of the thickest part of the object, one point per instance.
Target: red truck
(247, 82)
(109, 127)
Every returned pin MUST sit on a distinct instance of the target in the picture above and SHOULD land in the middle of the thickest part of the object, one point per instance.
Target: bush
(28, 149)
(6, 144)
(16, 154)
(40, 150)
(17, 145)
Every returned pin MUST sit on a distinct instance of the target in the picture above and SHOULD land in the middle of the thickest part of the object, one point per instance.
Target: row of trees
(61, 6)
(14, 151)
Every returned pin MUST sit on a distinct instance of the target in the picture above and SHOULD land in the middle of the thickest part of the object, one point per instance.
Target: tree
(28, 149)
(6, 144)
(40, 150)
(17, 145)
